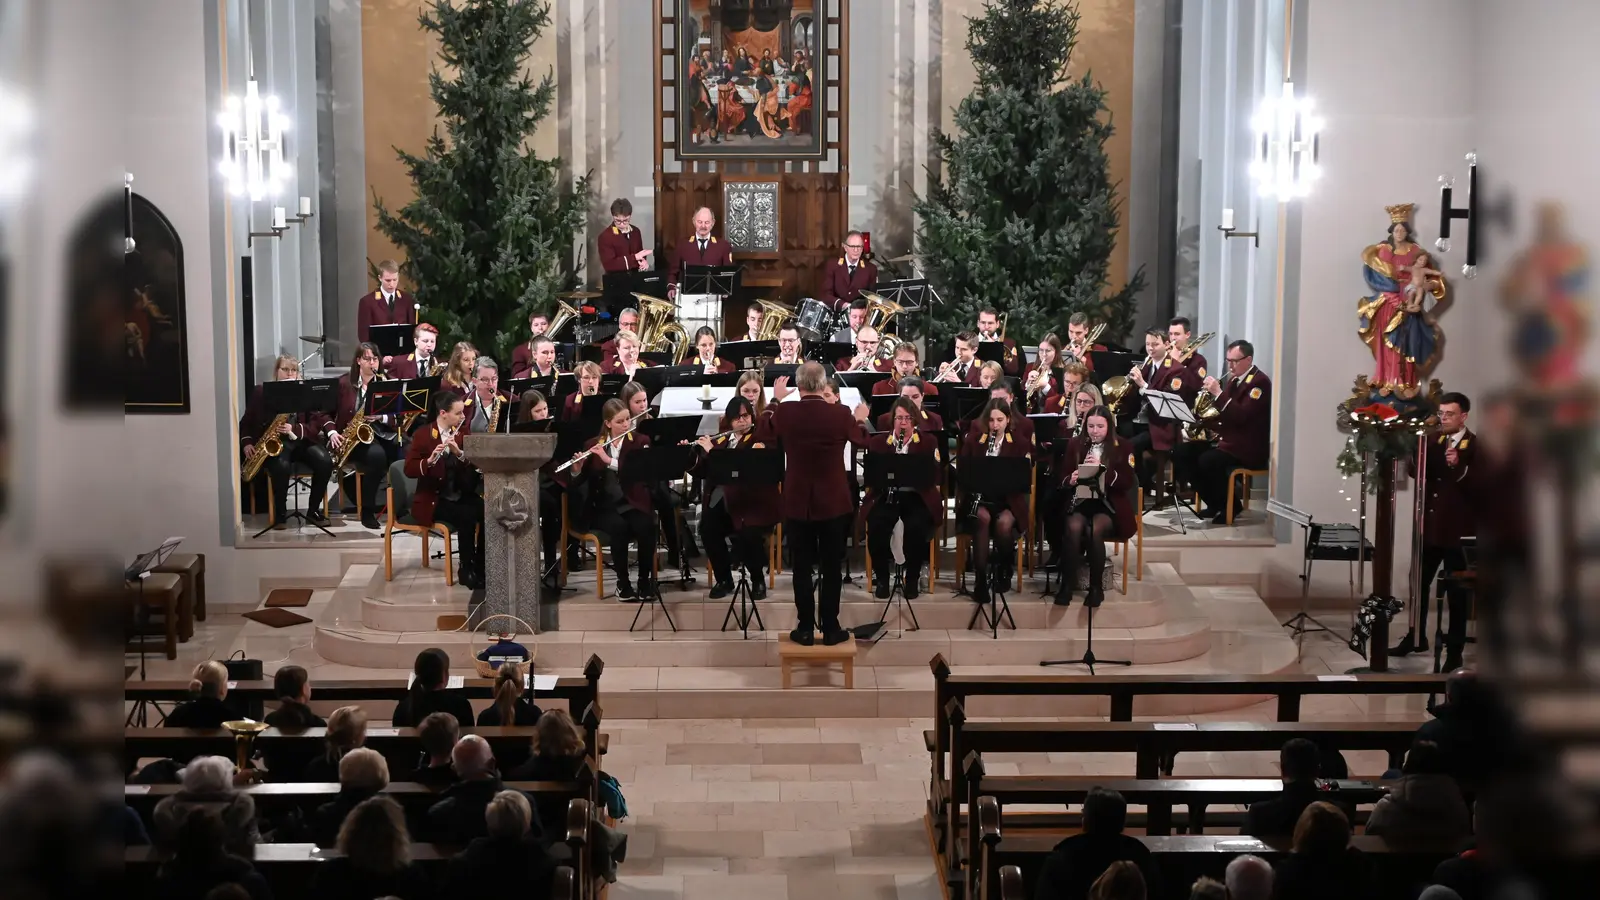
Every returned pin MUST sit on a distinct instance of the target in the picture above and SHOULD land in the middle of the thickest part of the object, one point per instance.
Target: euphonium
(269, 444)
(1114, 389)
(565, 312)
(654, 329)
(879, 312)
(773, 317)
(359, 431)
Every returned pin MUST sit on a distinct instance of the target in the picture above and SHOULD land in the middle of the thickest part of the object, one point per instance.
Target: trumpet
(580, 456)
(1036, 383)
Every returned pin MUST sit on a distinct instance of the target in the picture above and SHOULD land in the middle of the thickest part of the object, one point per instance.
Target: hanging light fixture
(1288, 134)
(253, 158)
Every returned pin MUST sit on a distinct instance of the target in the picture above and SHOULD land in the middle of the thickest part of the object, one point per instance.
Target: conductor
(816, 497)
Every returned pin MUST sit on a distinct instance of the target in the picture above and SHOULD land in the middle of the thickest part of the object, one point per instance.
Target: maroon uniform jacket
(508, 409)
(1497, 483)
(406, 366)
(813, 432)
(614, 367)
(718, 252)
(617, 249)
(1172, 378)
(1056, 378)
(1011, 358)
(522, 362)
(878, 365)
(920, 443)
(1014, 444)
(969, 378)
(1088, 361)
(1449, 514)
(1120, 480)
(1019, 424)
(638, 493)
(838, 285)
(718, 364)
(430, 479)
(1197, 364)
(1245, 420)
(749, 507)
(255, 420)
(892, 386)
(347, 405)
(374, 310)
(928, 421)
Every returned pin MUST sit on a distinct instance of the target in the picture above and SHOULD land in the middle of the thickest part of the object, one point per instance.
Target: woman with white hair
(209, 686)
(363, 773)
(208, 784)
(508, 854)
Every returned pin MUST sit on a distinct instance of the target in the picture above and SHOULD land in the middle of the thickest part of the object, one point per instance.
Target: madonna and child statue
(1397, 321)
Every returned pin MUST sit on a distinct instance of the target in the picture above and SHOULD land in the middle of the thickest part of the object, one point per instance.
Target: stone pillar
(510, 465)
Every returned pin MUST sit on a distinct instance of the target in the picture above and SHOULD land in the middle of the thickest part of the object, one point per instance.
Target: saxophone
(359, 431)
(494, 413)
(269, 444)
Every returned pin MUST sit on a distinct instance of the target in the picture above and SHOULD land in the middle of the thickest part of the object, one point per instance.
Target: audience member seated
(458, 817)
(438, 734)
(1298, 763)
(347, 730)
(1425, 804)
(558, 752)
(1207, 889)
(1475, 733)
(1532, 838)
(201, 861)
(1323, 865)
(1075, 863)
(1248, 877)
(292, 685)
(1120, 881)
(363, 773)
(209, 684)
(376, 860)
(429, 692)
(507, 855)
(509, 707)
(208, 784)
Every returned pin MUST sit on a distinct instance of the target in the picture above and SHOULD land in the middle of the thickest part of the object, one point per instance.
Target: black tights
(1002, 527)
(630, 525)
(1085, 534)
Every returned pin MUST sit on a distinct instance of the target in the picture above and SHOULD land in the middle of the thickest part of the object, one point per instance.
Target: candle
(705, 392)
(1227, 219)
(279, 220)
(305, 206)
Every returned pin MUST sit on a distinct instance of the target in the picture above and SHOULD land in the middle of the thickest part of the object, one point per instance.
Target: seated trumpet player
(486, 407)
(905, 364)
(627, 361)
(536, 358)
(964, 368)
(292, 435)
(1155, 436)
(588, 386)
(421, 362)
(744, 515)
(1042, 380)
(911, 388)
(1078, 344)
(1243, 401)
(996, 518)
(789, 346)
(705, 344)
(866, 358)
(989, 330)
(622, 512)
(446, 482)
(1099, 505)
(916, 509)
(372, 458)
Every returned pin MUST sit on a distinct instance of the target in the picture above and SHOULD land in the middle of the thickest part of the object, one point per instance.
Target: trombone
(1196, 345)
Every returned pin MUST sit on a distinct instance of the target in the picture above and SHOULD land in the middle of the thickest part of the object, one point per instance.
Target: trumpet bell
(1114, 389)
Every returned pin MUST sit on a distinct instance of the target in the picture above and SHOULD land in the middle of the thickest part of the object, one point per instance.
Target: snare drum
(813, 319)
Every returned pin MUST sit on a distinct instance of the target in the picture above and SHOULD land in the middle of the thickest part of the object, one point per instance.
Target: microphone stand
(1088, 658)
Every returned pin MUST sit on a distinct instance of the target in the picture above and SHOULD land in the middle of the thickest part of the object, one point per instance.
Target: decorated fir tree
(1024, 216)
(488, 237)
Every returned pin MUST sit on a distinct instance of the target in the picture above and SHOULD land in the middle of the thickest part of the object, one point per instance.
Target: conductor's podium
(790, 653)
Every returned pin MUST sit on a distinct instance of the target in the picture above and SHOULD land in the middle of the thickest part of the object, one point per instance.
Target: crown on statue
(1400, 212)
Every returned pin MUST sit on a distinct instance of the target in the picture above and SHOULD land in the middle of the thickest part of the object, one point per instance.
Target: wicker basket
(483, 667)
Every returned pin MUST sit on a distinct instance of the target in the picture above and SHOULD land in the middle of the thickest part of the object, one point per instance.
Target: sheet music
(455, 682)
(541, 683)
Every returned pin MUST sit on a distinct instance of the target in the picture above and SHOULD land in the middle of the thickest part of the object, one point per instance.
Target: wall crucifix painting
(750, 79)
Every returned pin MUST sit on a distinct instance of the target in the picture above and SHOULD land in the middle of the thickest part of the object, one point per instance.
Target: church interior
(894, 449)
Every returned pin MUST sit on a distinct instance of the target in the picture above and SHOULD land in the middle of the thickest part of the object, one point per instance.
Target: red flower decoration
(1378, 411)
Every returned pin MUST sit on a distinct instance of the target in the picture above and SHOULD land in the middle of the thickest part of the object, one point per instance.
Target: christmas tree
(488, 237)
(1024, 217)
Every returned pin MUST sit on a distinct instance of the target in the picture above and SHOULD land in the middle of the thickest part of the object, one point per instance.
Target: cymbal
(580, 295)
(909, 257)
(314, 338)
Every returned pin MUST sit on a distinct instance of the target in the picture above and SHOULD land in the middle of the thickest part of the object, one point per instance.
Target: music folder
(774, 371)
(669, 431)
(741, 351)
(745, 467)
(720, 280)
(536, 426)
(886, 471)
(862, 381)
(992, 351)
(309, 395)
(392, 340)
(995, 476)
(545, 385)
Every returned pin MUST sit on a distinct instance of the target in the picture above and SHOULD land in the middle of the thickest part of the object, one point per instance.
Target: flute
(582, 455)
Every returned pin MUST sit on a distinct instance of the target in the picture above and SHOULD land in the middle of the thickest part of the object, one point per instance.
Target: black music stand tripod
(890, 476)
(654, 465)
(994, 476)
(1171, 406)
(297, 398)
(141, 569)
(746, 467)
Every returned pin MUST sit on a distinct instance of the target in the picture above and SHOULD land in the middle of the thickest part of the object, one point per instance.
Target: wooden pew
(1398, 868)
(1123, 689)
(1150, 742)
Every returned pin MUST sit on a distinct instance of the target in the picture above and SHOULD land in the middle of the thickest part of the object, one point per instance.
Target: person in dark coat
(376, 860)
(363, 773)
(1476, 735)
(201, 862)
(1299, 762)
(209, 685)
(1077, 861)
(429, 693)
(458, 816)
(558, 754)
(347, 730)
(507, 854)
(1323, 865)
(438, 734)
(292, 684)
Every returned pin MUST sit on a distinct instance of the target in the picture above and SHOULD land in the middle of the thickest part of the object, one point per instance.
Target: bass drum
(813, 319)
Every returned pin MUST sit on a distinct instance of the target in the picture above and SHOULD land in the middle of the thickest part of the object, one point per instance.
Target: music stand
(991, 351)
(1321, 541)
(741, 352)
(880, 404)
(536, 426)
(654, 465)
(1088, 658)
(1173, 407)
(658, 358)
(297, 398)
(617, 288)
(964, 402)
(746, 467)
(545, 385)
(1111, 363)
(826, 352)
(392, 340)
(141, 568)
(884, 473)
(909, 293)
(994, 476)
(774, 371)
(415, 394)
(862, 381)
(715, 280)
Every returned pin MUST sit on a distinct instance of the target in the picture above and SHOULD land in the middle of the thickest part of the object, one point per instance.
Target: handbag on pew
(241, 669)
(503, 648)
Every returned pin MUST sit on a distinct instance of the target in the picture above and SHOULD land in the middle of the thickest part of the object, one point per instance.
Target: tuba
(269, 444)
(773, 317)
(655, 329)
(565, 312)
(879, 313)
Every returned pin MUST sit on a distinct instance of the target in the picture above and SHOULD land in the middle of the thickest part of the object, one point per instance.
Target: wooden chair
(191, 570)
(163, 591)
(399, 518)
(1245, 478)
(588, 537)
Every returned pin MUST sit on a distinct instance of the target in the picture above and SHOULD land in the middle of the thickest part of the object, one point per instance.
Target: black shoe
(1095, 597)
(625, 591)
(758, 588)
(882, 587)
(721, 589)
(913, 585)
(802, 636)
(470, 579)
(648, 589)
(316, 517)
(368, 520)
(1220, 518)
(1407, 646)
(1452, 661)
(1063, 598)
(835, 636)
(980, 592)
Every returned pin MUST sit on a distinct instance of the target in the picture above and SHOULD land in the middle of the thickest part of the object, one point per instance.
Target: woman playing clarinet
(1100, 501)
(996, 518)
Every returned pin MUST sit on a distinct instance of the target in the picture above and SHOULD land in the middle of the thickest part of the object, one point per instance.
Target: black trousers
(549, 520)
(464, 515)
(880, 527)
(629, 525)
(1212, 468)
(667, 503)
(749, 544)
(372, 461)
(819, 543)
(1452, 560)
(314, 457)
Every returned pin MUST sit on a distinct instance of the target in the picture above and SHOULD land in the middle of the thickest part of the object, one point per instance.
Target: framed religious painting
(751, 79)
(155, 331)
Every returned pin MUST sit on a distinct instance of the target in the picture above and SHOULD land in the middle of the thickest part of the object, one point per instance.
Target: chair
(163, 591)
(399, 518)
(589, 537)
(1245, 478)
(191, 569)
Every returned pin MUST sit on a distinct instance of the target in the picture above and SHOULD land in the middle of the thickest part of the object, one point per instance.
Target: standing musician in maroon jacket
(372, 459)
(1244, 427)
(844, 279)
(699, 249)
(622, 245)
(1099, 508)
(999, 518)
(744, 514)
(816, 496)
(388, 305)
(444, 490)
(1447, 519)
(917, 509)
(621, 511)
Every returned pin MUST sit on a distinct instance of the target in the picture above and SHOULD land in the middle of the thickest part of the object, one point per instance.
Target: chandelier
(1287, 145)
(253, 159)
